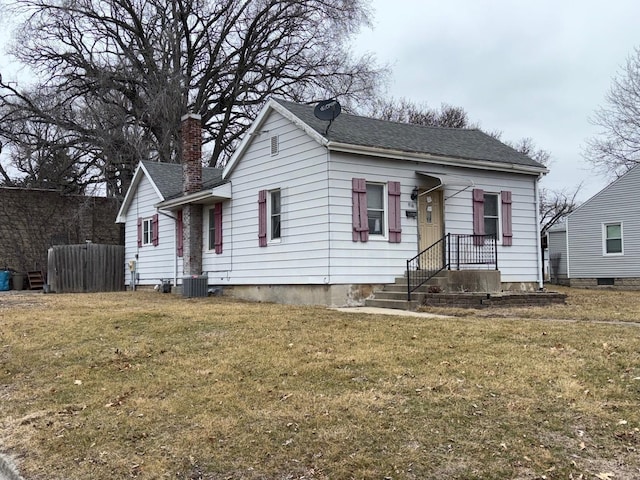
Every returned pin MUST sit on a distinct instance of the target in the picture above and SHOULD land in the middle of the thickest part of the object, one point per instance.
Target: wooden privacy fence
(85, 268)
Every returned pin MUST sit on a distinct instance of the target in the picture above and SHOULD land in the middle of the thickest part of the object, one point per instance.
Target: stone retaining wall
(484, 300)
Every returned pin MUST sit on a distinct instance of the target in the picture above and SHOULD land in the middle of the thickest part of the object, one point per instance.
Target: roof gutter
(440, 160)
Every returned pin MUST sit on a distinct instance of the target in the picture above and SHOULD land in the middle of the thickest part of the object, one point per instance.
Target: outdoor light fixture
(414, 194)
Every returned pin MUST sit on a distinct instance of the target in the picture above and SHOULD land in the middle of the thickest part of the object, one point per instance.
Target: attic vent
(275, 145)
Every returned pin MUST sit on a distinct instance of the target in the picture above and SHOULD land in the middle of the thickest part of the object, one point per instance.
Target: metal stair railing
(452, 251)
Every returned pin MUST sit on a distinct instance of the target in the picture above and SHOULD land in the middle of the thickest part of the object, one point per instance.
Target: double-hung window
(275, 214)
(491, 215)
(612, 238)
(269, 217)
(212, 229)
(147, 231)
(375, 208)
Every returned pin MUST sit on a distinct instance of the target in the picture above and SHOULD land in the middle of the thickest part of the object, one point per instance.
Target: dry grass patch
(600, 305)
(144, 385)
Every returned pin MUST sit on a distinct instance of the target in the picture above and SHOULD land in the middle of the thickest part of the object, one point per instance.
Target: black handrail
(451, 251)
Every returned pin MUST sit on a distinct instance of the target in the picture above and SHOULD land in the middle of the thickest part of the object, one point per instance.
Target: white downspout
(538, 244)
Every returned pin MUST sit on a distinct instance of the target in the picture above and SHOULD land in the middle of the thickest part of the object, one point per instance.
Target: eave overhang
(204, 197)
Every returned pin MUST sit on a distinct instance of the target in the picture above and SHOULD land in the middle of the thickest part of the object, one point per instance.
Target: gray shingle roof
(469, 144)
(168, 177)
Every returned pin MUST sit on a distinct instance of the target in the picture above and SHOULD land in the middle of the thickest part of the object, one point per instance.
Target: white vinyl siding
(153, 263)
(380, 262)
(299, 173)
(617, 203)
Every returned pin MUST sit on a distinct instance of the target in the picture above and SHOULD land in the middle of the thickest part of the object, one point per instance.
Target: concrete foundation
(330, 295)
(474, 281)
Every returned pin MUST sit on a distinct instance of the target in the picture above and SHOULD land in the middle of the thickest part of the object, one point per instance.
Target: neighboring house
(306, 212)
(599, 244)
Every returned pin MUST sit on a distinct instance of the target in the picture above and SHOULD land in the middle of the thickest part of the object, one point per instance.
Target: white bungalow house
(599, 244)
(307, 212)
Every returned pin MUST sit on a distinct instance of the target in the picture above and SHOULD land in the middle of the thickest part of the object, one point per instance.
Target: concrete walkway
(387, 311)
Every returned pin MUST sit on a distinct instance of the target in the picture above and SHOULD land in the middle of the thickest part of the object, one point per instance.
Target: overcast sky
(534, 69)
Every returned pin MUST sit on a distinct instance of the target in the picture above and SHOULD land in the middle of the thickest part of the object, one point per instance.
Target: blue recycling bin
(5, 275)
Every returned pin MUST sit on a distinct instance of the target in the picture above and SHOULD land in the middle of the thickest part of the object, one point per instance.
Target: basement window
(606, 281)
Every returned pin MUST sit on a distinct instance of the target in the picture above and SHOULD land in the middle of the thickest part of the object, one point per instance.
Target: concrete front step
(395, 304)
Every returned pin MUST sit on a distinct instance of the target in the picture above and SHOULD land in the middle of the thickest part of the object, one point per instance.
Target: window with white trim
(491, 214)
(212, 229)
(275, 215)
(147, 231)
(612, 238)
(375, 208)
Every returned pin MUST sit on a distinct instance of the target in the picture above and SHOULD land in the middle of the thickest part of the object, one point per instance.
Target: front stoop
(452, 294)
(394, 295)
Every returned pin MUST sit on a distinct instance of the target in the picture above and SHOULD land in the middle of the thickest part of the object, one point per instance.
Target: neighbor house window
(612, 238)
(275, 214)
(491, 217)
(375, 208)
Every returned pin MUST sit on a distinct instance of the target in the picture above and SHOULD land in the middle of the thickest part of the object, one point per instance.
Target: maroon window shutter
(507, 231)
(179, 233)
(478, 215)
(139, 231)
(154, 226)
(262, 218)
(359, 212)
(395, 228)
(217, 218)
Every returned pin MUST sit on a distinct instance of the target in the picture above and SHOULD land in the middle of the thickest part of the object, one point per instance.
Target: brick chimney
(191, 135)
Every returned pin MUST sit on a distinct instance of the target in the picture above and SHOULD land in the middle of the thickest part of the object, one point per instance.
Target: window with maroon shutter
(217, 209)
(395, 218)
(179, 234)
(507, 229)
(148, 231)
(262, 218)
(360, 221)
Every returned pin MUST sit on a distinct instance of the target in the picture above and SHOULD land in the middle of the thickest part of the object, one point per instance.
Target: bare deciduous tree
(407, 111)
(617, 147)
(555, 205)
(119, 74)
